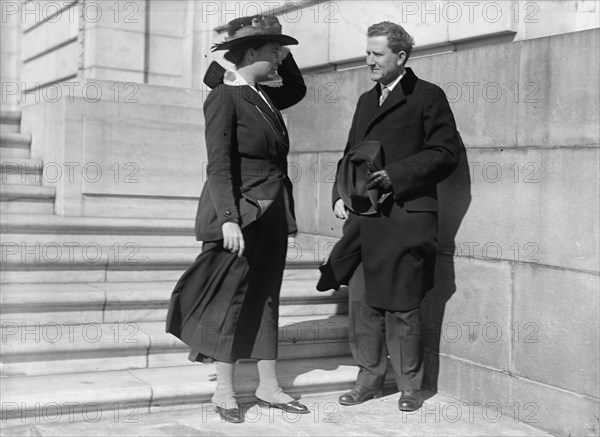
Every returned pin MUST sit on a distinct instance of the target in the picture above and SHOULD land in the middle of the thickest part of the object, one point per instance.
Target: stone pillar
(113, 36)
(10, 45)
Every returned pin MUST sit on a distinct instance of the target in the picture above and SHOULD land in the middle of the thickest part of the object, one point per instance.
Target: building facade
(111, 93)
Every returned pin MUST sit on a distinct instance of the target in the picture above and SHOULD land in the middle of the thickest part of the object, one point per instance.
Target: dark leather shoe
(290, 407)
(231, 415)
(410, 400)
(359, 394)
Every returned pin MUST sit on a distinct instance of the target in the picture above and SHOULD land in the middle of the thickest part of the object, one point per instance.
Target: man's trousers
(376, 333)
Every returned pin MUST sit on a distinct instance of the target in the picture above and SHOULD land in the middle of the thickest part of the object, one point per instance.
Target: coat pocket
(250, 209)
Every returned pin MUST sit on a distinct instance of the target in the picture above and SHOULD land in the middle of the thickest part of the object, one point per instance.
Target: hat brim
(284, 40)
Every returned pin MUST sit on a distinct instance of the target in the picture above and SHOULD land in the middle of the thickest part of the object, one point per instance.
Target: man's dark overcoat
(398, 245)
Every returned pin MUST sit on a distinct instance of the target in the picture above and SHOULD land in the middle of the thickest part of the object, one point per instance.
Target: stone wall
(121, 149)
(513, 320)
(167, 42)
(331, 33)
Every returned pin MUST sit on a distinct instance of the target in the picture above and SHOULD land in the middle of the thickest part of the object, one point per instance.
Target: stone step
(24, 171)
(38, 398)
(10, 121)
(54, 224)
(440, 415)
(29, 350)
(21, 242)
(28, 199)
(29, 230)
(47, 230)
(95, 263)
(308, 247)
(122, 302)
(15, 140)
(12, 153)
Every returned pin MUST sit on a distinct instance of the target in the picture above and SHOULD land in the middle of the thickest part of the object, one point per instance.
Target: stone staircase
(84, 301)
(21, 176)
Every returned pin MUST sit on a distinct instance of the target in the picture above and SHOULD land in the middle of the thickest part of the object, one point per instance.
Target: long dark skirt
(226, 307)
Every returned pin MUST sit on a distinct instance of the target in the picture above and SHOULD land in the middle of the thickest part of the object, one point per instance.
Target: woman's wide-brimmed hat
(254, 28)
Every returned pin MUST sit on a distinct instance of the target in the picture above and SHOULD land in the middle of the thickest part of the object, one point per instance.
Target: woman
(225, 306)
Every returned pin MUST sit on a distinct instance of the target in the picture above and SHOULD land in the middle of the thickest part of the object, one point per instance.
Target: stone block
(454, 199)
(149, 111)
(9, 73)
(158, 168)
(167, 80)
(516, 211)
(49, 34)
(318, 248)
(162, 97)
(476, 385)
(135, 206)
(166, 55)
(322, 120)
(127, 16)
(482, 97)
(78, 390)
(558, 411)
(53, 66)
(569, 237)
(541, 19)
(467, 314)
(327, 223)
(312, 35)
(169, 18)
(36, 13)
(556, 317)
(301, 167)
(468, 20)
(555, 109)
(78, 348)
(69, 197)
(106, 74)
(47, 304)
(349, 21)
(114, 49)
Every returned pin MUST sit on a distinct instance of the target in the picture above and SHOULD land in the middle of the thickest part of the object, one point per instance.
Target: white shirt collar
(233, 78)
(390, 86)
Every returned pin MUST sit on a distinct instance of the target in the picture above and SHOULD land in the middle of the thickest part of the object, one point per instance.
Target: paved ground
(440, 415)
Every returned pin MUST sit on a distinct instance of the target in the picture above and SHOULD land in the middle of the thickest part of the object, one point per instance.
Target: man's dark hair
(398, 39)
(236, 54)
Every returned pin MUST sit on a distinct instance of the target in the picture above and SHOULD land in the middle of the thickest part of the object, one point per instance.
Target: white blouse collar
(233, 78)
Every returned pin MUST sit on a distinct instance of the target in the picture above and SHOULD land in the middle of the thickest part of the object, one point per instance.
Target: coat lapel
(396, 98)
(270, 117)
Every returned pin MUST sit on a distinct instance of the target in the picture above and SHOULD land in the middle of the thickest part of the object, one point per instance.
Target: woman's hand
(340, 209)
(233, 239)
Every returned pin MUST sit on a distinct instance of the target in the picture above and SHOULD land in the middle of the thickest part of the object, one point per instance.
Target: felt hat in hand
(353, 173)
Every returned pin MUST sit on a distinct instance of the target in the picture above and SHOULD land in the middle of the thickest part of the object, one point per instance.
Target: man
(396, 240)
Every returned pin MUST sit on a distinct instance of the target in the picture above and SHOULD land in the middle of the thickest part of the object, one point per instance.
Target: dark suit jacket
(398, 246)
(247, 145)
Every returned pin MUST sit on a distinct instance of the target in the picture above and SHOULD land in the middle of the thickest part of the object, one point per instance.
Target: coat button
(227, 212)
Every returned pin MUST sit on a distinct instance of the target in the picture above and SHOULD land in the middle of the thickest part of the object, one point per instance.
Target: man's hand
(380, 179)
(233, 239)
(340, 209)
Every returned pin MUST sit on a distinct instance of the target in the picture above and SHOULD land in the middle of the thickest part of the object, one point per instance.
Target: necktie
(384, 93)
